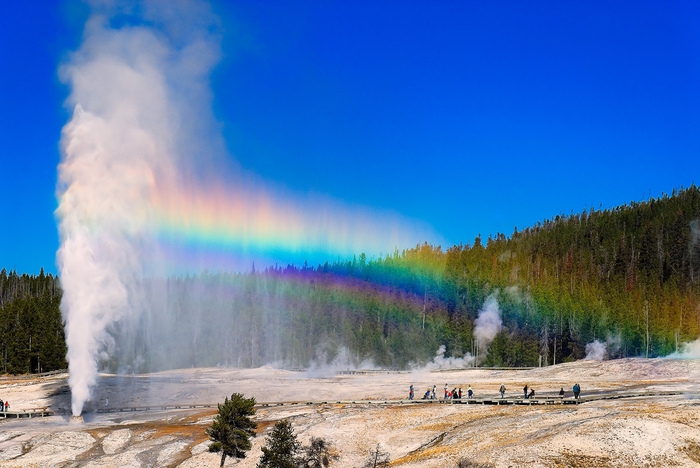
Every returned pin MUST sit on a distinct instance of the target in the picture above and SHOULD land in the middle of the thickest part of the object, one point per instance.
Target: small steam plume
(442, 362)
(329, 362)
(487, 325)
(599, 351)
(614, 344)
(688, 351)
(694, 233)
(595, 351)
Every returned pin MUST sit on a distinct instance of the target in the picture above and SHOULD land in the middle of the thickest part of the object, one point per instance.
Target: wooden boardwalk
(478, 401)
(45, 412)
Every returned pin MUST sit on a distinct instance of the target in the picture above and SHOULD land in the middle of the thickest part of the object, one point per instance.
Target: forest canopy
(625, 278)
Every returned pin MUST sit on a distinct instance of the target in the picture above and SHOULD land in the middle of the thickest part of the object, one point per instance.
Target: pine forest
(626, 277)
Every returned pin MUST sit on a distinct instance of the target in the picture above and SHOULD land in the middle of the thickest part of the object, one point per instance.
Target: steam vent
(77, 419)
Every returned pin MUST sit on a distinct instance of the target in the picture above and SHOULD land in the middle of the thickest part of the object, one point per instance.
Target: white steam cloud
(599, 351)
(122, 137)
(688, 351)
(329, 362)
(442, 362)
(487, 325)
(142, 129)
(595, 351)
(694, 233)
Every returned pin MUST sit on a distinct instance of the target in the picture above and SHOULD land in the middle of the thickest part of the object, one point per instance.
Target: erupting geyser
(76, 419)
(136, 178)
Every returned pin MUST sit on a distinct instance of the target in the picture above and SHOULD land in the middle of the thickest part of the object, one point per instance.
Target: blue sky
(474, 117)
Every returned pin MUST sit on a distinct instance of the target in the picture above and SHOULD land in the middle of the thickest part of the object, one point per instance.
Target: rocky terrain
(625, 432)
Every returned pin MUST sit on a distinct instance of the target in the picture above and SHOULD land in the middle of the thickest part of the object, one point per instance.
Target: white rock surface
(658, 431)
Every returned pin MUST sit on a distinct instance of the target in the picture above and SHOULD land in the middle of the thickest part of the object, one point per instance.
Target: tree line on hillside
(626, 277)
(31, 335)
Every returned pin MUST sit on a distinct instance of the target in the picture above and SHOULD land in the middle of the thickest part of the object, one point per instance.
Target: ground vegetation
(233, 427)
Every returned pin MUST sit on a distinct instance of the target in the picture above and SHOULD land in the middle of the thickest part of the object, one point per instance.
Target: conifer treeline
(627, 277)
(31, 330)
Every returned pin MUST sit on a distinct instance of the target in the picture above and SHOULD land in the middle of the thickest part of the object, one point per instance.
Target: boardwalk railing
(44, 412)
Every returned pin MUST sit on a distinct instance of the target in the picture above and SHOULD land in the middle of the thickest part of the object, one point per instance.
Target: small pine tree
(232, 428)
(317, 453)
(377, 458)
(281, 447)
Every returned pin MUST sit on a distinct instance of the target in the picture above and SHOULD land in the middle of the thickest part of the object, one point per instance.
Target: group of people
(531, 394)
(430, 394)
(456, 393)
(527, 395)
(4, 406)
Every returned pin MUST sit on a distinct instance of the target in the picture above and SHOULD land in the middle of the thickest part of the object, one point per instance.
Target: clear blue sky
(474, 117)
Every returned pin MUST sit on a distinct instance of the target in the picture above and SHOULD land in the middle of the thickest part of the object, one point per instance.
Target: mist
(487, 325)
(146, 190)
(595, 351)
(688, 351)
(440, 361)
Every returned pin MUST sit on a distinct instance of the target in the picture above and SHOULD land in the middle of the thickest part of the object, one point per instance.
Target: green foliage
(281, 448)
(31, 335)
(627, 275)
(233, 427)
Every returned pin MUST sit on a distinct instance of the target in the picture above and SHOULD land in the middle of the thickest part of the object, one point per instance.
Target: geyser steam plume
(135, 180)
(487, 325)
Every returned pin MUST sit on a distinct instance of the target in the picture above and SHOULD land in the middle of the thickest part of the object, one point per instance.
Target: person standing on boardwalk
(561, 393)
(410, 392)
(525, 391)
(577, 390)
(503, 391)
(434, 396)
(446, 391)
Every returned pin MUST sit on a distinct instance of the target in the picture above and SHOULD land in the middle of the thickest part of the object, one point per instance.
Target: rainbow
(258, 224)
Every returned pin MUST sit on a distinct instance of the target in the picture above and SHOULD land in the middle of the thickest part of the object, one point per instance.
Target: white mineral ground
(630, 432)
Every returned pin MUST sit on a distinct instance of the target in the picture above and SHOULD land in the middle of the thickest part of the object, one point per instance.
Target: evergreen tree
(317, 454)
(281, 447)
(233, 427)
(377, 458)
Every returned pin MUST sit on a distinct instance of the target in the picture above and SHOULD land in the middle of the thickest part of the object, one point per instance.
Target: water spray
(138, 175)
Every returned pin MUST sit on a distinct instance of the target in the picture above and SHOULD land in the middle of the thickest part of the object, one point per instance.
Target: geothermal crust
(648, 431)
